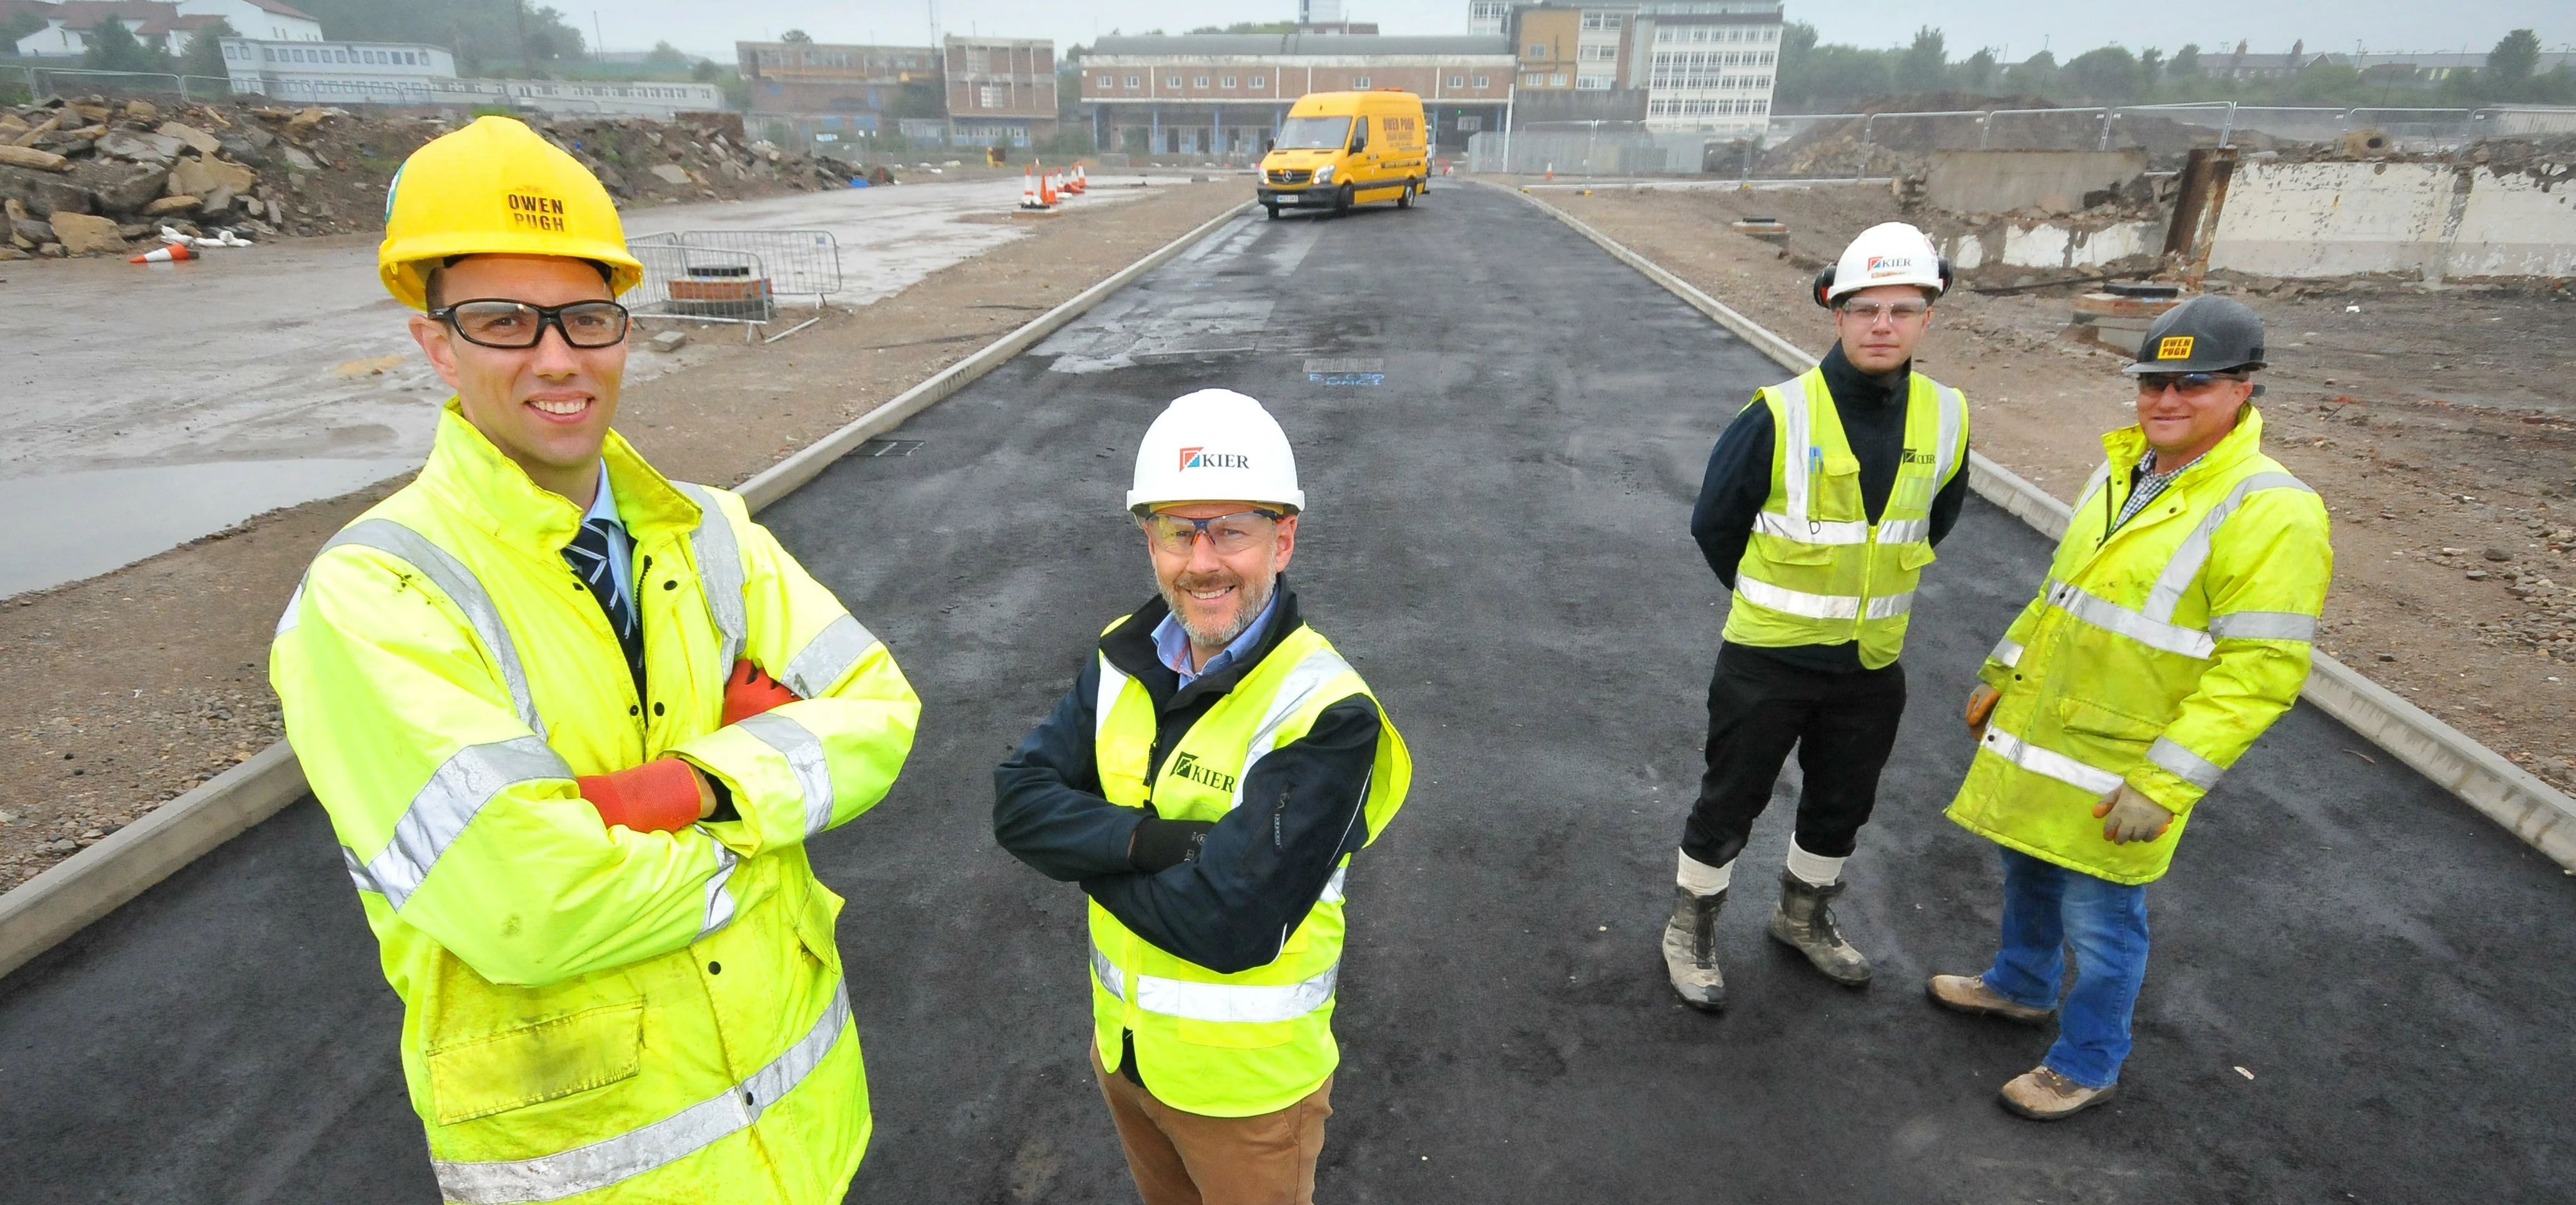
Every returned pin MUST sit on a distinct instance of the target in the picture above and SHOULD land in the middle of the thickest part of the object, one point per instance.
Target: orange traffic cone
(174, 253)
(1081, 181)
(1029, 189)
(1046, 189)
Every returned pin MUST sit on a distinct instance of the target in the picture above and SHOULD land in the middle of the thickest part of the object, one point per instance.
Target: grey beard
(1256, 599)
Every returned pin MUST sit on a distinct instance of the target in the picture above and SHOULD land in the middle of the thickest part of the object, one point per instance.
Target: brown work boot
(1804, 922)
(1690, 950)
(1969, 994)
(2043, 1095)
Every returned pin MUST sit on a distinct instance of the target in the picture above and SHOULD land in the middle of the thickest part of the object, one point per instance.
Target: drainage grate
(890, 447)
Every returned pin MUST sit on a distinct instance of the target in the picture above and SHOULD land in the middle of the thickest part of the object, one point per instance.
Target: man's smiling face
(546, 407)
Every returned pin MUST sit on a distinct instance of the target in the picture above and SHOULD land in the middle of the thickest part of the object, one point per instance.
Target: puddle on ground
(67, 526)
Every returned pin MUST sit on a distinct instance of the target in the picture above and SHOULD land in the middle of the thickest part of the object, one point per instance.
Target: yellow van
(1339, 149)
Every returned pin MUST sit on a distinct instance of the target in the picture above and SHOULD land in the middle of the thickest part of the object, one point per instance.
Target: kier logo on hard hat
(1201, 458)
(1890, 265)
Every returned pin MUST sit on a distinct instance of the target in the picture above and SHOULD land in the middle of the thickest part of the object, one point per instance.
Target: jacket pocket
(2093, 719)
(533, 1063)
(1789, 552)
(816, 922)
(1914, 556)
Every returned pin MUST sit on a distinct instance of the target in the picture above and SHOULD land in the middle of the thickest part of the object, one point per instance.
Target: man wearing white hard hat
(1821, 506)
(1207, 781)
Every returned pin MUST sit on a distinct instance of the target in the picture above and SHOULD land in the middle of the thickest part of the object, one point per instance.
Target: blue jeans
(2047, 908)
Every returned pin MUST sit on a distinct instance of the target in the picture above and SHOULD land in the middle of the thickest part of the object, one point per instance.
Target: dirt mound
(88, 176)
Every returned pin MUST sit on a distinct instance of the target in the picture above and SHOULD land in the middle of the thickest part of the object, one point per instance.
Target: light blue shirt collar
(1172, 644)
(603, 507)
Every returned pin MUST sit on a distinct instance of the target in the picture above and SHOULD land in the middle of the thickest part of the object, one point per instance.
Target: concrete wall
(2431, 220)
(2002, 181)
(2054, 245)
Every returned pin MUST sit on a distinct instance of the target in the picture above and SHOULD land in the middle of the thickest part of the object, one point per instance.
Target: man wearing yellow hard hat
(573, 722)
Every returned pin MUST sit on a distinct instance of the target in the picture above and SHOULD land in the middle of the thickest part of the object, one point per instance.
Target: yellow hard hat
(496, 188)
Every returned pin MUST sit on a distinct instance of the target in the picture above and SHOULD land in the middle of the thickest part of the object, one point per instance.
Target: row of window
(1716, 33)
(1595, 83)
(287, 54)
(1598, 54)
(1173, 82)
(1702, 60)
(1707, 108)
(1601, 20)
(1679, 79)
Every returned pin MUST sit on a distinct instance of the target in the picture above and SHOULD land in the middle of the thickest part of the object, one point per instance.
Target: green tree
(2186, 62)
(551, 37)
(2511, 64)
(2328, 82)
(2033, 75)
(1925, 65)
(205, 54)
(666, 57)
(2108, 75)
(2151, 69)
(112, 47)
(1978, 70)
(796, 35)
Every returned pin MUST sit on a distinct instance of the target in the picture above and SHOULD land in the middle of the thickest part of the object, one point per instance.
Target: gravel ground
(2440, 428)
(121, 692)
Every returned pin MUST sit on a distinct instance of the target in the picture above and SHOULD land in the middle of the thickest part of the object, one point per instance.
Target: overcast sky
(2016, 27)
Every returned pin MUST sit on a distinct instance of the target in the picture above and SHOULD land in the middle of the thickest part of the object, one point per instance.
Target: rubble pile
(90, 176)
(1901, 145)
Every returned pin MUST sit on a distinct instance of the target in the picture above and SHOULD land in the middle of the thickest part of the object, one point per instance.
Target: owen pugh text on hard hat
(530, 212)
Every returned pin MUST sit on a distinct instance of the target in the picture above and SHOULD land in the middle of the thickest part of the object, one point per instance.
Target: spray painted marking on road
(1212, 302)
(1346, 378)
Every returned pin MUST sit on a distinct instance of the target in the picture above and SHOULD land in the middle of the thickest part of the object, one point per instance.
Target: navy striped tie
(588, 556)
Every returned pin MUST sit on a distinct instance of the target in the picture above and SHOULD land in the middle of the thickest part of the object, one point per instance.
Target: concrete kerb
(2508, 794)
(41, 912)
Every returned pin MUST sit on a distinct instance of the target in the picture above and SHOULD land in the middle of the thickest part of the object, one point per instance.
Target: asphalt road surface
(1500, 430)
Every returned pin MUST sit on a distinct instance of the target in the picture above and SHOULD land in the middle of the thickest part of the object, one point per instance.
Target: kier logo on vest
(1190, 767)
(1201, 458)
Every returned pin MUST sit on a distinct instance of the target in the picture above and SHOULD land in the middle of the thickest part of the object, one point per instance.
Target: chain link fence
(41, 81)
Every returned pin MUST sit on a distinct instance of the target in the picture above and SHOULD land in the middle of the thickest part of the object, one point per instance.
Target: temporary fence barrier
(796, 263)
(41, 81)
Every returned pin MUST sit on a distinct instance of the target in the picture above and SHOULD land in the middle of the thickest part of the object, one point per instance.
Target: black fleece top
(1739, 482)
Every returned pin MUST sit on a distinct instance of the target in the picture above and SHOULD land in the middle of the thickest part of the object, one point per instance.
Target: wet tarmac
(148, 406)
(2358, 986)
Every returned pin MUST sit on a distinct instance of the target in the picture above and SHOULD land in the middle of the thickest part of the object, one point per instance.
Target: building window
(1484, 81)
(1260, 82)
(992, 96)
(1228, 82)
(1171, 81)
(1601, 20)
(1556, 79)
(1457, 81)
(1593, 83)
(1359, 81)
(1134, 82)
(1537, 50)
(1598, 54)
(1200, 82)
(1532, 79)
(1108, 81)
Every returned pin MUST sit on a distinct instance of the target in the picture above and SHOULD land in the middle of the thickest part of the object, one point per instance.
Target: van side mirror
(1359, 144)
(1268, 145)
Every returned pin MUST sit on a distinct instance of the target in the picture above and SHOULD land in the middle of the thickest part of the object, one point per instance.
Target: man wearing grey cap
(2174, 627)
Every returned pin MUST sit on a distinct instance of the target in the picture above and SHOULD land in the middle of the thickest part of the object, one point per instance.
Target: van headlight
(1324, 174)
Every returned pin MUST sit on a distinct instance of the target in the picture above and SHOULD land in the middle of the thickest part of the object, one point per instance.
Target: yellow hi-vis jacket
(1816, 570)
(591, 1013)
(2155, 654)
(1257, 1041)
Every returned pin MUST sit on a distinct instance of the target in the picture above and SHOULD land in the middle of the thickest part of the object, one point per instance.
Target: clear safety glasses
(1227, 534)
(1894, 311)
(494, 322)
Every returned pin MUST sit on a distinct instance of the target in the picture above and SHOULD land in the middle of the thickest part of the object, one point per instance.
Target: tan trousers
(1183, 1158)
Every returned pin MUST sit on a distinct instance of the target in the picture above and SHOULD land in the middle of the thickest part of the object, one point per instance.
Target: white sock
(1812, 870)
(1700, 878)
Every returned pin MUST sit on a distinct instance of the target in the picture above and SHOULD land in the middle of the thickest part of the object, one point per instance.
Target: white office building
(338, 73)
(1707, 65)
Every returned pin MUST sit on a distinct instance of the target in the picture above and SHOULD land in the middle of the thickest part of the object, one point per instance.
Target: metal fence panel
(706, 283)
(798, 263)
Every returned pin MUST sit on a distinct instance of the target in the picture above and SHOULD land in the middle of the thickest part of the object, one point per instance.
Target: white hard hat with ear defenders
(1890, 253)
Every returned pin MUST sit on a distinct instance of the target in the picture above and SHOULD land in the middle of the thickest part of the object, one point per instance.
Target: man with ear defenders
(1821, 506)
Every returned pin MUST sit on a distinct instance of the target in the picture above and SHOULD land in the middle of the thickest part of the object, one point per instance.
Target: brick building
(1225, 94)
(1000, 90)
(832, 93)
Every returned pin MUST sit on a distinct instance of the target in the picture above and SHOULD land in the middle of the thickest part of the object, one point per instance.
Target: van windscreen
(1314, 133)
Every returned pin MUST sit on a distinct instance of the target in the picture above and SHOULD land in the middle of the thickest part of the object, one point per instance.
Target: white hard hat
(1890, 253)
(1215, 445)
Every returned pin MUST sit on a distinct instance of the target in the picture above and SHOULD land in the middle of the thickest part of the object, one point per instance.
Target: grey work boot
(1690, 949)
(1804, 922)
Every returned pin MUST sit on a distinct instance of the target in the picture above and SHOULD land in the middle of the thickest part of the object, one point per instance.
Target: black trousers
(1843, 726)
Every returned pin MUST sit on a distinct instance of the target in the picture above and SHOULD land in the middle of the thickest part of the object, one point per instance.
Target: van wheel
(1342, 201)
(1405, 201)
(1273, 207)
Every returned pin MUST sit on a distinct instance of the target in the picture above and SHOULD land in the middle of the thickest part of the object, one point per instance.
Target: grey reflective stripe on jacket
(2153, 624)
(1223, 1003)
(720, 576)
(597, 1165)
(805, 759)
(452, 579)
(1320, 667)
(1794, 522)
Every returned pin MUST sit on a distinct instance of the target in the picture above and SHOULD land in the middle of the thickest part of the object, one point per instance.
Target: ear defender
(1944, 270)
(1824, 283)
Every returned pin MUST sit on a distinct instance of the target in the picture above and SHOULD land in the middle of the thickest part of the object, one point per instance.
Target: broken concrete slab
(2050, 181)
(671, 173)
(670, 341)
(297, 159)
(86, 234)
(141, 148)
(201, 177)
(168, 205)
(30, 157)
(121, 187)
(205, 144)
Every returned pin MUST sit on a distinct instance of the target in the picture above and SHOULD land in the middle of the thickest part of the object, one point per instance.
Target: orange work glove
(1981, 703)
(660, 796)
(749, 692)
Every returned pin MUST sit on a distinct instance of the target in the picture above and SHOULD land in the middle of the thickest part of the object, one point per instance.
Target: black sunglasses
(499, 322)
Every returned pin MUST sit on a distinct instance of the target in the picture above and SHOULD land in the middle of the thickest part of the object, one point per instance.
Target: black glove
(1161, 844)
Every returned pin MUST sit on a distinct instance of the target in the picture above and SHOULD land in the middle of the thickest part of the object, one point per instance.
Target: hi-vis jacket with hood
(592, 1013)
(2155, 653)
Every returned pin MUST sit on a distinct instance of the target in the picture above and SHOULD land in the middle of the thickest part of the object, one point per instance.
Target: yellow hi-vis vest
(2154, 654)
(1816, 570)
(1256, 1041)
(594, 1014)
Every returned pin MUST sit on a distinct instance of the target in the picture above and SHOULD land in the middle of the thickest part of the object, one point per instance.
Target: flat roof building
(1001, 91)
(1225, 94)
